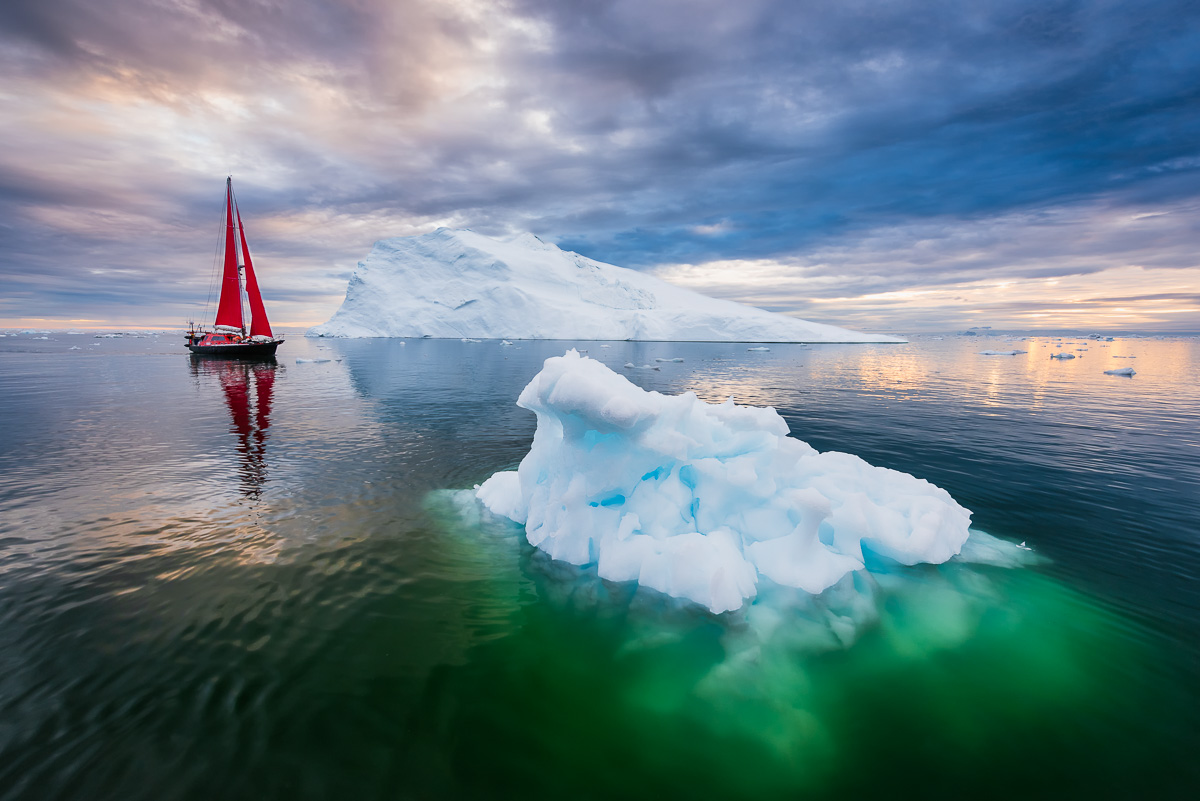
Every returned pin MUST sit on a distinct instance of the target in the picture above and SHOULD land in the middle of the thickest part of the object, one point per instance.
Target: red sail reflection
(248, 387)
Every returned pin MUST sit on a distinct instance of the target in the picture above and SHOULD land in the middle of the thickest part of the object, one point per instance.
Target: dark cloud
(640, 133)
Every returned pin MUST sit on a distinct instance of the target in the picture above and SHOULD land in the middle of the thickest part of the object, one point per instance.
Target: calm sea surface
(233, 581)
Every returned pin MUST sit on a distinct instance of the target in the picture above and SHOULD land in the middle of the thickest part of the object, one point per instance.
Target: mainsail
(229, 309)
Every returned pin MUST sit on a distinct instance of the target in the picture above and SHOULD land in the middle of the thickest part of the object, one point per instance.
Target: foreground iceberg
(704, 501)
(455, 284)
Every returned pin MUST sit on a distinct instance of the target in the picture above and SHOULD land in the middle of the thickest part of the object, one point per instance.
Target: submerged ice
(707, 502)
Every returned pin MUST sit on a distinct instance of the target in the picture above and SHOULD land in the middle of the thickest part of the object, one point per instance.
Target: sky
(885, 165)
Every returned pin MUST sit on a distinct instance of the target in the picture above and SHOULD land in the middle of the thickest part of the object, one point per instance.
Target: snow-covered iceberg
(705, 501)
(454, 284)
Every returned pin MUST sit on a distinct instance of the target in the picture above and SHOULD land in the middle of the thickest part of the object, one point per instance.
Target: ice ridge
(455, 284)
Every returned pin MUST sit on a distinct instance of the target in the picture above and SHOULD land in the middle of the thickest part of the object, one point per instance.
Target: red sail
(229, 310)
(258, 313)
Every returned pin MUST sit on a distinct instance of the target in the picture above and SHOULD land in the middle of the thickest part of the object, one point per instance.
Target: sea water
(226, 580)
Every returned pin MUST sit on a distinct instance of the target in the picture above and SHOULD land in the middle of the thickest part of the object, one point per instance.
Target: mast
(259, 326)
(229, 309)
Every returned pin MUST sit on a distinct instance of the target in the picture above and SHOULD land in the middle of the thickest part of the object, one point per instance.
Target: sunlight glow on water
(227, 581)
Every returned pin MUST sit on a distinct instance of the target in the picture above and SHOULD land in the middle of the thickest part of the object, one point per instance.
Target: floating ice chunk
(311, 361)
(632, 366)
(606, 346)
(1127, 371)
(505, 342)
(468, 339)
(984, 549)
(757, 349)
(1062, 355)
(705, 501)
(74, 347)
(1001, 352)
(660, 359)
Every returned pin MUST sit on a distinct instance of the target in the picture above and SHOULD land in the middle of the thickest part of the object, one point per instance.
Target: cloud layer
(806, 158)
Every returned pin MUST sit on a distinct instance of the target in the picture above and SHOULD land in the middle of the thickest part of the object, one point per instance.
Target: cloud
(1092, 266)
(640, 133)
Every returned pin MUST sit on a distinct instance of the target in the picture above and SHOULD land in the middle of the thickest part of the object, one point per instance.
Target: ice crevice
(705, 501)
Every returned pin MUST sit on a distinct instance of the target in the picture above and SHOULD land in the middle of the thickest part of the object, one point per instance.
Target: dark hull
(240, 350)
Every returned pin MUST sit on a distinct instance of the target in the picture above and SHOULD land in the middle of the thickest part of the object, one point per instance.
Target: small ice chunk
(505, 342)
(757, 349)
(660, 359)
(74, 347)
(311, 361)
(1000, 352)
(468, 339)
(1126, 371)
(702, 501)
(1062, 355)
(632, 366)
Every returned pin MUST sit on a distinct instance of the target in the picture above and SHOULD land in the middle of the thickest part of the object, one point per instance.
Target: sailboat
(230, 337)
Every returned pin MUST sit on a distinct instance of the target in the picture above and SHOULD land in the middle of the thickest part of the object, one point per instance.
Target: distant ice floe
(1062, 355)
(757, 349)
(505, 342)
(1127, 371)
(1001, 352)
(671, 361)
(713, 503)
(311, 361)
(632, 366)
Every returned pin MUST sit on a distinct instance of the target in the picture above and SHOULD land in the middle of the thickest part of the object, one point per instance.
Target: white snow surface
(705, 501)
(457, 283)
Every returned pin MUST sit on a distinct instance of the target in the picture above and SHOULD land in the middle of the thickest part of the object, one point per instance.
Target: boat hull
(237, 350)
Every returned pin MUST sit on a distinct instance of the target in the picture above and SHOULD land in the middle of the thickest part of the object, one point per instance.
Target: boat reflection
(248, 387)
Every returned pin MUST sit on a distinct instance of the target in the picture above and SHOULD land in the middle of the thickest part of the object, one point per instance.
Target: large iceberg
(705, 501)
(454, 284)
